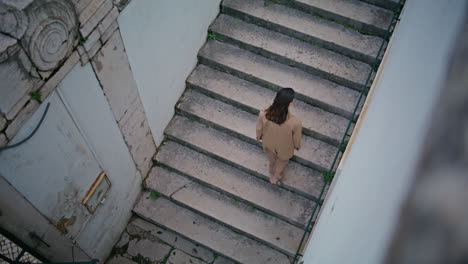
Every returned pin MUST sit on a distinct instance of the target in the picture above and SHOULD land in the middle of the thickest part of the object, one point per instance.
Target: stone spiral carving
(13, 22)
(51, 32)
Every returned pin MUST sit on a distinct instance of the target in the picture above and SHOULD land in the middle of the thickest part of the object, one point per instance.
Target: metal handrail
(329, 176)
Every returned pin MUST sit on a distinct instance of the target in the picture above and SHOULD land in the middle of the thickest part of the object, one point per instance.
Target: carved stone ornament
(13, 22)
(51, 32)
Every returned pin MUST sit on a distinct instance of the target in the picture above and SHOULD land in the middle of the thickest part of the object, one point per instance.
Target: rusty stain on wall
(64, 223)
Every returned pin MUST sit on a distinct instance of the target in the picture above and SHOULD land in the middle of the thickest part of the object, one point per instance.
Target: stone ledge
(94, 20)
(22, 117)
(109, 31)
(50, 85)
(94, 49)
(91, 40)
(88, 10)
(108, 20)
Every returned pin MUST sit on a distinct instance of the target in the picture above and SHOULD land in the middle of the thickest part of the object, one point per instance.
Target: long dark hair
(278, 111)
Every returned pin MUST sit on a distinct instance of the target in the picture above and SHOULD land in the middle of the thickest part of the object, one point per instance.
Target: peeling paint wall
(361, 211)
(96, 123)
(56, 167)
(112, 85)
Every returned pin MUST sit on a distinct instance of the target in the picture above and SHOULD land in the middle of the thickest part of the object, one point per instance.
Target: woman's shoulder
(294, 119)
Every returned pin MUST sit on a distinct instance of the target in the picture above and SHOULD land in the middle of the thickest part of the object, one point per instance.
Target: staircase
(210, 182)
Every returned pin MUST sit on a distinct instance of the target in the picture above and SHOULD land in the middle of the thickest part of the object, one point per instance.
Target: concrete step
(391, 5)
(232, 120)
(295, 23)
(140, 228)
(268, 73)
(355, 13)
(242, 217)
(284, 204)
(205, 232)
(291, 51)
(240, 154)
(316, 122)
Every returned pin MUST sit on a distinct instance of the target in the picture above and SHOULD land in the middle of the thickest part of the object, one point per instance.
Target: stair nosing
(308, 163)
(235, 229)
(234, 196)
(369, 28)
(345, 82)
(358, 55)
(157, 223)
(312, 101)
(327, 138)
(238, 166)
(153, 222)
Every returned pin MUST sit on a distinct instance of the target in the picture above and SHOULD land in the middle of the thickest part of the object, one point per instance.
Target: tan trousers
(276, 166)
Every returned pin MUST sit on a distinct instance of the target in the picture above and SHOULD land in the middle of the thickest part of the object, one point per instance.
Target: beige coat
(281, 139)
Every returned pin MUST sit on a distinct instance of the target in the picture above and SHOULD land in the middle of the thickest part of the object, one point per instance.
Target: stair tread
(316, 122)
(315, 153)
(356, 10)
(306, 24)
(240, 216)
(387, 4)
(206, 232)
(309, 88)
(223, 177)
(299, 178)
(337, 67)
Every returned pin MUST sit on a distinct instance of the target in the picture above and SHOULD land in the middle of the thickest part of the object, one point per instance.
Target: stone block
(117, 80)
(124, 239)
(50, 85)
(94, 20)
(119, 260)
(173, 239)
(3, 140)
(152, 250)
(109, 31)
(3, 122)
(108, 20)
(81, 50)
(122, 93)
(80, 5)
(94, 49)
(137, 135)
(22, 117)
(88, 10)
(91, 40)
(179, 257)
(84, 58)
(18, 106)
(16, 84)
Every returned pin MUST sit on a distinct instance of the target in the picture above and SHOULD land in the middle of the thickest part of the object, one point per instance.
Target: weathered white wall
(81, 92)
(162, 39)
(55, 168)
(360, 213)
